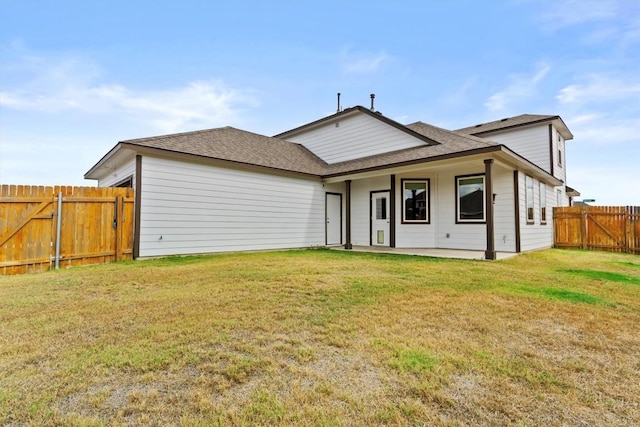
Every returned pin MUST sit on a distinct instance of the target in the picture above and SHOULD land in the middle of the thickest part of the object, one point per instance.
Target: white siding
(354, 137)
(559, 170)
(339, 188)
(532, 143)
(504, 225)
(452, 235)
(416, 235)
(192, 208)
(124, 171)
(536, 235)
(360, 207)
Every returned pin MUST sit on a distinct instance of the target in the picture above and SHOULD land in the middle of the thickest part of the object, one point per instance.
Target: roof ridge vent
(505, 119)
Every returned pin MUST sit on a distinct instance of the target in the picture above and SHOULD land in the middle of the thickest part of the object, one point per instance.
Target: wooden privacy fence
(601, 228)
(44, 226)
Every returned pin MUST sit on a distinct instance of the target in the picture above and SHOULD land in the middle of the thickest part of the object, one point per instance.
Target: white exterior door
(380, 218)
(334, 219)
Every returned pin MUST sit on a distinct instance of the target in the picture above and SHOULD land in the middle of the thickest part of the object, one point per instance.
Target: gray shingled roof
(239, 146)
(509, 122)
(244, 147)
(235, 145)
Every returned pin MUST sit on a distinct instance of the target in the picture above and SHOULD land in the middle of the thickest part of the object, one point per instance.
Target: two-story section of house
(540, 139)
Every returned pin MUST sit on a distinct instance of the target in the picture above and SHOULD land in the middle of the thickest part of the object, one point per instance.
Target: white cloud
(363, 63)
(564, 13)
(615, 23)
(521, 87)
(76, 85)
(599, 88)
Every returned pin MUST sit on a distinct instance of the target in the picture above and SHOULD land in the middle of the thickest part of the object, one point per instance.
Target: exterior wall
(126, 170)
(416, 235)
(360, 207)
(536, 235)
(339, 188)
(354, 137)
(532, 143)
(192, 208)
(504, 209)
(442, 212)
(558, 144)
(474, 236)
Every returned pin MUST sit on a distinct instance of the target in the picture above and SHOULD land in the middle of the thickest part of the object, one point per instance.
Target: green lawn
(322, 337)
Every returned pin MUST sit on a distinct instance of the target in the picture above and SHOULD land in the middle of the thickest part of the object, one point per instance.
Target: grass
(327, 338)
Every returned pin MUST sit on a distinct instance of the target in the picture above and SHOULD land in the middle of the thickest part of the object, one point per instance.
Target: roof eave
(90, 174)
(510, 156)
(557, 120)
(350, 111)
(182, 155)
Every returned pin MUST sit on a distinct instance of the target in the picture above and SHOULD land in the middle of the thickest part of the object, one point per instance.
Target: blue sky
(78, 76)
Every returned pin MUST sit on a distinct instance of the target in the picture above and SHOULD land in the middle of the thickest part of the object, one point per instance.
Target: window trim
(543, 202)
(484, 199)
(427, 181)
(528, 178)
(559, 145)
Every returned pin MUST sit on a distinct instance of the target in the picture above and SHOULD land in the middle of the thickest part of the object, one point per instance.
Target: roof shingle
(509, 122)
(239, 146)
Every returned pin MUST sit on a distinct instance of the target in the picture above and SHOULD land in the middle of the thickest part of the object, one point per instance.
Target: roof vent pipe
(373, 96)
(339, 108)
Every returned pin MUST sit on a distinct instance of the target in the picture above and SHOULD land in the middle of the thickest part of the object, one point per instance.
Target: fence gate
(603, 228)
(94, 225)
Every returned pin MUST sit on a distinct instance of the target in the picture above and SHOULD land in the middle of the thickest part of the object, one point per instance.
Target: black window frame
(427, 182)
(484, 202)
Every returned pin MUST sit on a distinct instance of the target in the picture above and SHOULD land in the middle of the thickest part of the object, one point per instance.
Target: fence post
(58, 224)
(116, 224)
(583, 227)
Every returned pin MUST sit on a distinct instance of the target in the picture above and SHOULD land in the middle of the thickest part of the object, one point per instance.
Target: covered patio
(427, 252)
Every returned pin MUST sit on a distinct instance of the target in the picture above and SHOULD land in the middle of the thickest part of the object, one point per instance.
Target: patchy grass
(325, 338)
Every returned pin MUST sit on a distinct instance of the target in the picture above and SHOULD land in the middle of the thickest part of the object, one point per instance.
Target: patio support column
(392, 212)
(347, 244)
(490, 253)
(137, 206)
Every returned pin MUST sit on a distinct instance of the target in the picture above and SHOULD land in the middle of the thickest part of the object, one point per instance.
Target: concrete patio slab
(427, 252)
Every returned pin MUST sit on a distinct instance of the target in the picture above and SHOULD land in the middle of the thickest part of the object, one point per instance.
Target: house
(353, 178)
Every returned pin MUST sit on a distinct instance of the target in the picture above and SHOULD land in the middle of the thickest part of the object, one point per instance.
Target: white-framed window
(543, 203)
(415, 201)
(529, 198)
(470, 199)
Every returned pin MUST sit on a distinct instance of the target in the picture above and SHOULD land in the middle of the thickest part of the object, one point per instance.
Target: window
(543, 203)
(529, 198)
(381, 208)
(415, 201)
(470, 198)
(559, 150)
